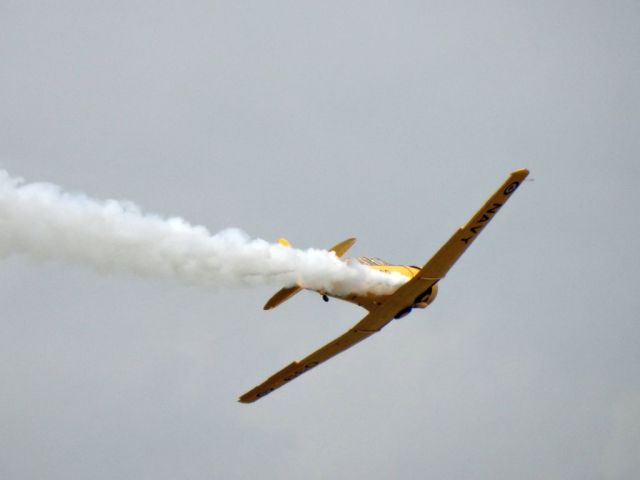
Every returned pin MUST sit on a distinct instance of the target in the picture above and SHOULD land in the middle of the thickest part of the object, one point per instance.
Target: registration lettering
(480, 223)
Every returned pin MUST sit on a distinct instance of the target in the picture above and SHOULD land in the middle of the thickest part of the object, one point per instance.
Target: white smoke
(44, 222)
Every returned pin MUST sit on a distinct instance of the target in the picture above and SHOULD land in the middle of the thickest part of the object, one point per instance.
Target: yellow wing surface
(408, 294)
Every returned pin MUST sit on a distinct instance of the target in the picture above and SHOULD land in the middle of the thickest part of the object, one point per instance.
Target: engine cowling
(426, 298)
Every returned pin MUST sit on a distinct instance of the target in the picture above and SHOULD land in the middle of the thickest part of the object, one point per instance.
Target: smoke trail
(45, 222)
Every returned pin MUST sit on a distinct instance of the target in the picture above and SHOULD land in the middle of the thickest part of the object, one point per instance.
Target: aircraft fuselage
(371, 300)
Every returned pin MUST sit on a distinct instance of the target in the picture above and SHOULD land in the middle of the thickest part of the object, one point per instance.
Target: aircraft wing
(296, 369)
(451, 251)
(408, 294)
(448, 254)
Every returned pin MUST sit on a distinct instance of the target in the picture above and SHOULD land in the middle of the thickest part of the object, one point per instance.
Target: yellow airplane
(418, 292)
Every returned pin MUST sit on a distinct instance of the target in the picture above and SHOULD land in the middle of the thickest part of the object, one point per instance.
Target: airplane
(418, 292)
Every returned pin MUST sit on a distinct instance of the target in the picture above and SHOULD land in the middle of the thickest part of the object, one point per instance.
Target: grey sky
(388, 121)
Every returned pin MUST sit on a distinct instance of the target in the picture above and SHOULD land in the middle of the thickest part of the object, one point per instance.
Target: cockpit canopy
(373, 261)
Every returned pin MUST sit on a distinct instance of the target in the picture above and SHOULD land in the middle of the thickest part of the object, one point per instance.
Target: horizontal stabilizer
(286, 293)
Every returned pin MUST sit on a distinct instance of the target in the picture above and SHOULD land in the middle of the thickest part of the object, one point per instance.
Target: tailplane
(286, 293)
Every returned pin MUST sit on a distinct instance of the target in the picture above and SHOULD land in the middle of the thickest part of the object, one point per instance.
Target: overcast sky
(388, 121)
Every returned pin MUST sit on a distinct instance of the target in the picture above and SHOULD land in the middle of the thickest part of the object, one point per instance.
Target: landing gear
(403, 313)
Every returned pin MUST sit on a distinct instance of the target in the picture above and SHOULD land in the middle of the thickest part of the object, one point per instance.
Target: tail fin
(286, 293)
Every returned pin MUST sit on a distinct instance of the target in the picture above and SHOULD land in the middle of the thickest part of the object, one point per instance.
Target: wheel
(403, 313)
